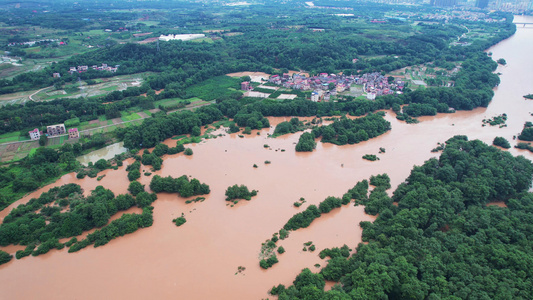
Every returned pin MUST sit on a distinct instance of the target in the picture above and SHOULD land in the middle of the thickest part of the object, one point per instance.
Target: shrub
(180, 185)
(502, 142)
(179, 221)
(269, 262)
(302, 219)
(381, 180)
(5, 257)
(135, 188)
(239, 192)
(329, 203)
(370, 157)
(133, 175)
(306, 143)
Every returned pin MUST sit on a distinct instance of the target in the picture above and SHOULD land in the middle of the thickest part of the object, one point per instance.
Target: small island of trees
(179, 220)
(239, 192)
(527, 132)
(180, 185)
(348, 131)
(370, 157)
(502, 142)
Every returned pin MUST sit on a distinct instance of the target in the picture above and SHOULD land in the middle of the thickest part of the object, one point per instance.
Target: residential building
(245, 85)
(56, 75)
(371, 96)
(314, 96)
(54, 130)
(73, 133)
(35, 134)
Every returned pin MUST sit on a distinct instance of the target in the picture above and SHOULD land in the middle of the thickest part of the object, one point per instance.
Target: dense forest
(442, 239)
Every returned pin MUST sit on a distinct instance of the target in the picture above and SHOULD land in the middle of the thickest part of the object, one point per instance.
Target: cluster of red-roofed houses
(54, 130)
(326, 85)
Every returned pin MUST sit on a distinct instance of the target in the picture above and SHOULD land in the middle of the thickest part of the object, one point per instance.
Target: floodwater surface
(107, 152)
(200, 259)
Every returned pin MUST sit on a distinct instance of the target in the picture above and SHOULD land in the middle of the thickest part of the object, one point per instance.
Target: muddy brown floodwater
(200, 259)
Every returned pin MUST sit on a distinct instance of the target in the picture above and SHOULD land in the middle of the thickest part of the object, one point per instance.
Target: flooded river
(200, 259)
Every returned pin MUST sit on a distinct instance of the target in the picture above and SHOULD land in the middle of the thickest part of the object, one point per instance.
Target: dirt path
(31, 96)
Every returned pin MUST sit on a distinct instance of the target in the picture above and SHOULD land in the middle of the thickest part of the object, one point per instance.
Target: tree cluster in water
(64, 212)
(441, 240)
(348, 131)
(239, 192)
(181, 185)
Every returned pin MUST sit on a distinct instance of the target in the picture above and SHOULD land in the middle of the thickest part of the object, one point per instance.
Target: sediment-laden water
(200, 259)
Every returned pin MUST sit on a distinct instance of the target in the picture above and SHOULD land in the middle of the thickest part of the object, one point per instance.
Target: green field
(109, 89)
(13, 137)
(105, 86)
(130, 117)
(215, 88)
(175, 101)
(85, 125)
(207, 40)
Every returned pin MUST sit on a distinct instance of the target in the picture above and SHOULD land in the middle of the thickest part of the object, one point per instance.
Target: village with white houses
(103, 67)
(53, 131)
(33, 43)
(324, 86)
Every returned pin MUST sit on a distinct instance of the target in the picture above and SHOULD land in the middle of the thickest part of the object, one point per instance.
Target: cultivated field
(75, 90)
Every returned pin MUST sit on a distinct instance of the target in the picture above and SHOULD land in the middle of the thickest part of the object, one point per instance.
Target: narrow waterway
(200, 259)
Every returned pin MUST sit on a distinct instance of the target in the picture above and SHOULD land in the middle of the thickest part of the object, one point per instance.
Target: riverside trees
(428, 245)
(306, 142)
(41, 222)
